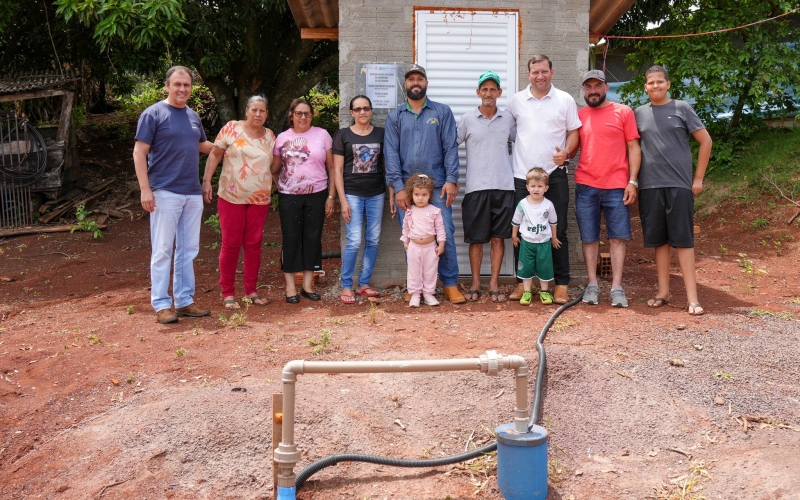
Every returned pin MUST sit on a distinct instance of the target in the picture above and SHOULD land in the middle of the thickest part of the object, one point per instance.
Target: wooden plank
(38, 230)
(277, 435)
(319, 33)
(31, 95)
(65, 121)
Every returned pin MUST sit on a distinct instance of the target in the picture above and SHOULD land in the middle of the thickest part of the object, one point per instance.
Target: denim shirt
(424, 143)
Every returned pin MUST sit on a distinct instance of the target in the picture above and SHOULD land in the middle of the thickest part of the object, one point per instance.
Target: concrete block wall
(382, 31)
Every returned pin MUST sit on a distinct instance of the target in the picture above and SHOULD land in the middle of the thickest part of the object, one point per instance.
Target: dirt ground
(100, 401)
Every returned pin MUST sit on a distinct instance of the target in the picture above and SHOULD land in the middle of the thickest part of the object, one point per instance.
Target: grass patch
(562, 324)
(770, 152)
(688, 486)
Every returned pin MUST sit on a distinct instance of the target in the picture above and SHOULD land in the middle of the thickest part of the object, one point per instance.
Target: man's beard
(595, 104)
(416, 96)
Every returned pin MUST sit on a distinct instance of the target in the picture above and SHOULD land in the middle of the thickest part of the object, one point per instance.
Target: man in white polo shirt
(547, 132)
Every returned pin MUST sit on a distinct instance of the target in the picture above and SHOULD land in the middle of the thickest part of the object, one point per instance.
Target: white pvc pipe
(490, 363)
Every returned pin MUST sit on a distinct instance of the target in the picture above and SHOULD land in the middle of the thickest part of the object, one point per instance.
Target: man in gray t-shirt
(666, 185)
(488, 205)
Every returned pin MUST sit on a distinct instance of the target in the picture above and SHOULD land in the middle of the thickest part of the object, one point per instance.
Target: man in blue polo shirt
(421, 137)
(169, 140)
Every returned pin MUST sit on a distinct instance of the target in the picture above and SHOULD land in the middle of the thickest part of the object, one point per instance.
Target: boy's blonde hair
(537, 174)
(420, 181)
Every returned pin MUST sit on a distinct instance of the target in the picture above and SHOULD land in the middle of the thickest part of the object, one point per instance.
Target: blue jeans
(590, 202)
(448, 261)
(361, 209)
(175, 221)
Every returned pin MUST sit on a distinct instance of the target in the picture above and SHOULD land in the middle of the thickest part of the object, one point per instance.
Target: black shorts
(487, 214)
(667, 216)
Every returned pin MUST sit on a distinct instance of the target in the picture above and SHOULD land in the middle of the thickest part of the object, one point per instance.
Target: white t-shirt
(534, 221)
(542, 124)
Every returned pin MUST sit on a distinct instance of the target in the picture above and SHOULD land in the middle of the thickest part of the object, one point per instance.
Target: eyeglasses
(364, 109)
(301, 114)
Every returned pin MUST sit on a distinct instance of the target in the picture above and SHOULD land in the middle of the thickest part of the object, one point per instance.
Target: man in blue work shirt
(421, 137)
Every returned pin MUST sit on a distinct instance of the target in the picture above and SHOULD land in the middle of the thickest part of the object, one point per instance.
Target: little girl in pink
(423, 238)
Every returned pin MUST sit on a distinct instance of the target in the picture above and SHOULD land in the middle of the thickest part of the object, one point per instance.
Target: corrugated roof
(35, 80)
(603, 14)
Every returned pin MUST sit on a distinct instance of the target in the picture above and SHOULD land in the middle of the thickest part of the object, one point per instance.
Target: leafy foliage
(750, 70)
(141, 24)
(239, 47)
(85, 223)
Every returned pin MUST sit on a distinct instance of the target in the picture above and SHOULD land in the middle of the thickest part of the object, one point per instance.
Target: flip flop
(693, 310)
(368, 292)
(231, 304)
(496, 296)
(657, 302)
(472, 293)
(258, 300)
(347, 299)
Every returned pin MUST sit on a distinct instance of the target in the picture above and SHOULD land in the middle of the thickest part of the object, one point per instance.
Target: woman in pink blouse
(302, 158)
(245, 184)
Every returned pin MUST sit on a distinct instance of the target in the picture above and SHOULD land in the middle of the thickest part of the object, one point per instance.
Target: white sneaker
(430, 300)
(414, 302)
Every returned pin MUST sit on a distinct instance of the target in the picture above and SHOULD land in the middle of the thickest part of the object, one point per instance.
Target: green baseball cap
(489, 75)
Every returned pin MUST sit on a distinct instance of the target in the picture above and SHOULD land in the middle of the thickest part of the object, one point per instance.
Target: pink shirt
(303, 157)
(603, 163)
(423, 223)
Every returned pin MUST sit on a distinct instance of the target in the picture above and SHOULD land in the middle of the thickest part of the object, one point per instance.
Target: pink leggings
(423, 266)
(242, 225)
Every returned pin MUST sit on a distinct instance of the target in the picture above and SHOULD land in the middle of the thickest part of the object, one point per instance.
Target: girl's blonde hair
(420, 181)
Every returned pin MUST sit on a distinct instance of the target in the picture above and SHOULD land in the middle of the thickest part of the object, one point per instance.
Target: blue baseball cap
(489, 75)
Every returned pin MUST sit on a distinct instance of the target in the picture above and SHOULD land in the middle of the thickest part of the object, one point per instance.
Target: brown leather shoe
(193, 311)
(166, 316)
(454, 295)
(517, 293)
(560, 295)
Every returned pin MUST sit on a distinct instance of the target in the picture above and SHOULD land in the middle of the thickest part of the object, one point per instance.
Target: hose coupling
(491, 362)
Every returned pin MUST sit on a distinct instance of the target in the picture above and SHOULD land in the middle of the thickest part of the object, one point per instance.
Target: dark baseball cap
(594, 74)
(416, 68)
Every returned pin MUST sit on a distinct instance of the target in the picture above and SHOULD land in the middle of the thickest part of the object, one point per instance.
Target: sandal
(498, 296)
(231, 304)
(472, 295)
(696, 310)
(657, 302)
(368, 292)
(347, 298)
(258, 299)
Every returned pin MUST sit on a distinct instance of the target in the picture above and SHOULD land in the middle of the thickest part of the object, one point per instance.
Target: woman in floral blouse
(245, 186)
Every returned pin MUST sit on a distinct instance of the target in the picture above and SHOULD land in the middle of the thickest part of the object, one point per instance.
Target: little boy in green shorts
(535, 220)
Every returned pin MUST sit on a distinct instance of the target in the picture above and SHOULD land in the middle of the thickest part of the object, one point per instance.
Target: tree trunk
(744, 94)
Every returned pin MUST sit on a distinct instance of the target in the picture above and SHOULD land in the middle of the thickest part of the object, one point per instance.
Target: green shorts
(535, 260)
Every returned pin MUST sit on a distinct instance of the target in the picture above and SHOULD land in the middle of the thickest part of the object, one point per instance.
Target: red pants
(242, 226)
(423, 266)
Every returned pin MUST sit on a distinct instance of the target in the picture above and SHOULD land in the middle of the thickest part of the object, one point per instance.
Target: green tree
(239, 47)
(755, 68)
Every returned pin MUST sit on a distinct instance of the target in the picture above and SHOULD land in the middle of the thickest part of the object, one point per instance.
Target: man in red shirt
(605, 181)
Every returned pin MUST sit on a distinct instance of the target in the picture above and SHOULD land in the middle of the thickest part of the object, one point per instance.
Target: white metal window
(455, 47)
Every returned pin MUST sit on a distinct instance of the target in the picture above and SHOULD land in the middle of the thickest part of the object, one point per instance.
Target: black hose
(20, 168)
(537, 391)
(331, 460)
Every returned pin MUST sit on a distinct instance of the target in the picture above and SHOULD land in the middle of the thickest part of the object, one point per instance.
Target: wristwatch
(636, 184)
